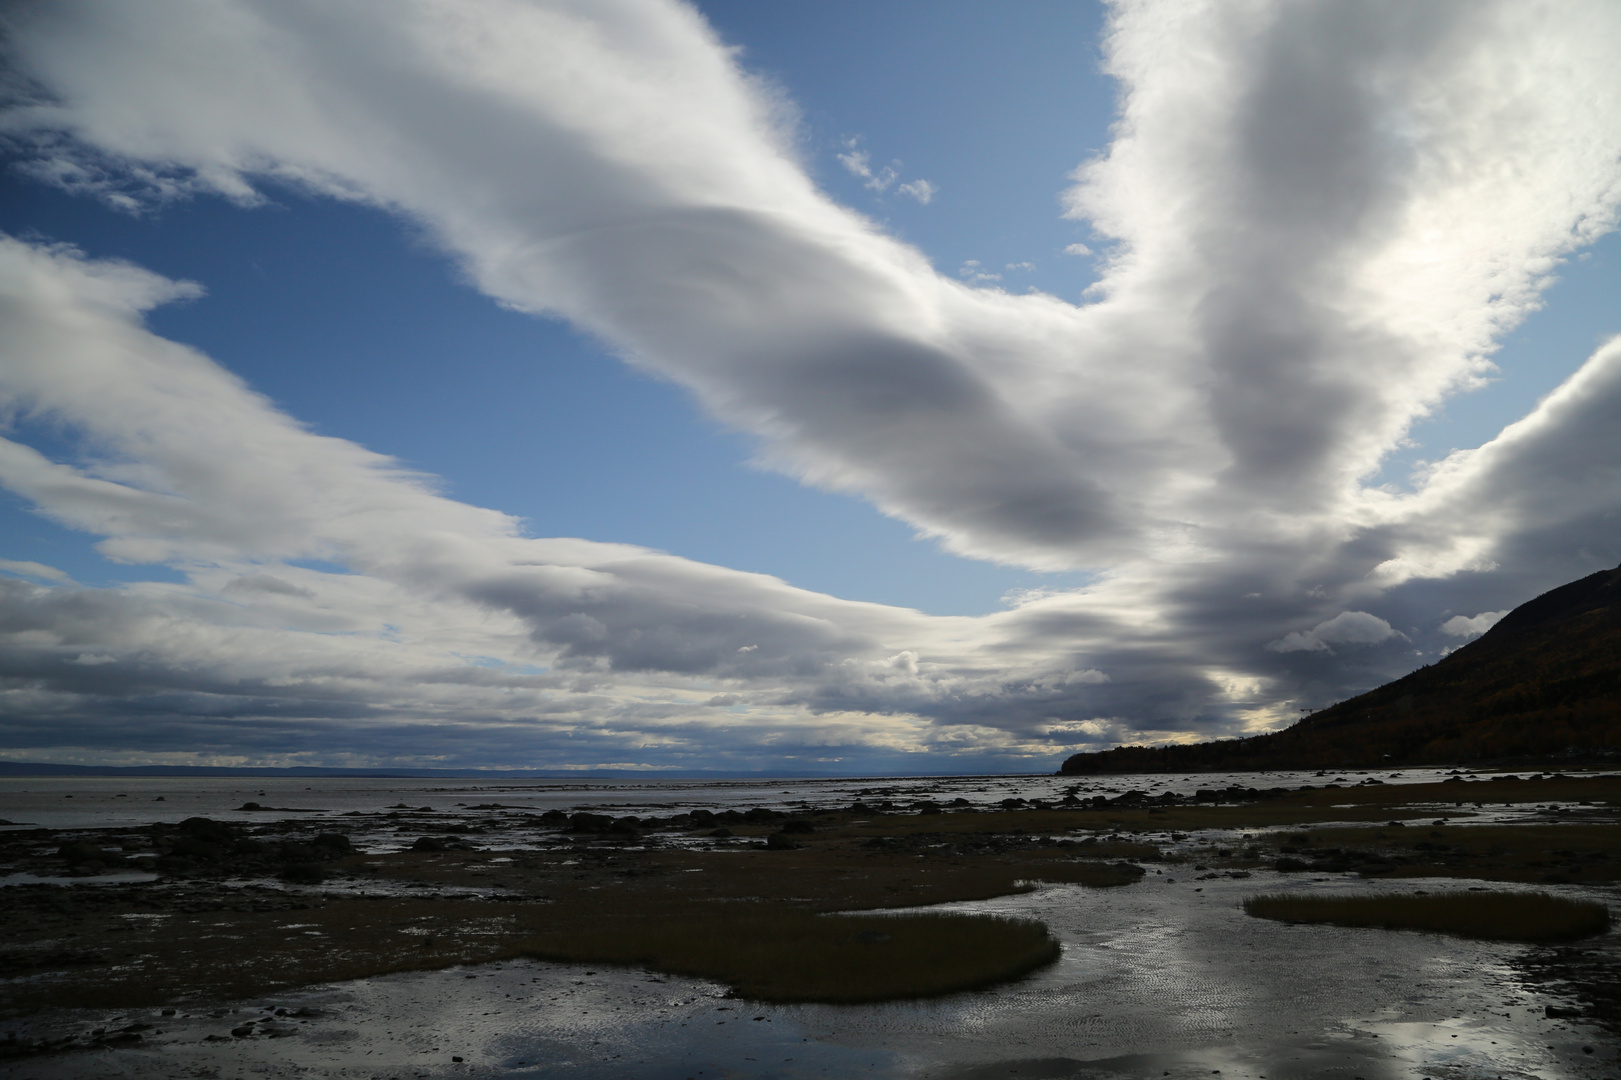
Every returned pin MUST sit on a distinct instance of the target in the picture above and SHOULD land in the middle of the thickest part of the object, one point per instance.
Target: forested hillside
(1544, 680)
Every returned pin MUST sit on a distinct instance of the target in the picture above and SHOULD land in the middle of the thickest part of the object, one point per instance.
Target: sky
(813, 387)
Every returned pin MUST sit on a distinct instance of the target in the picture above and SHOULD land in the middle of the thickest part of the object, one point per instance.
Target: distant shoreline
(48, 769)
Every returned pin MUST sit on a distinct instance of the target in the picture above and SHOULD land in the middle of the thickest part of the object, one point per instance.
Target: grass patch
(1494, 916)
(789, 955)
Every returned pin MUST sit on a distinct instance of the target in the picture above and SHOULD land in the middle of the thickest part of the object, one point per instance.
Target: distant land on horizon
(1544, 682)
(46, 769)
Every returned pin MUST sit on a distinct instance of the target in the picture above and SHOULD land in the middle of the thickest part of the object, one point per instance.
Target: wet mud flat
(355, 942)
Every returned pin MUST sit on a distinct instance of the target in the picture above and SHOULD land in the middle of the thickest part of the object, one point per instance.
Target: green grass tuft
(1494, 916)
(787, 955)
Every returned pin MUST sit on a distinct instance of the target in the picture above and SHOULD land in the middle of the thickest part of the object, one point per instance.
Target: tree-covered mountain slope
(1545, 680)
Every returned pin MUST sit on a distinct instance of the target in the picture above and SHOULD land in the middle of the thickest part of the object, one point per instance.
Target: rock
(201, 828)
(554, 817)
(798, 827)
(242, 1032)
(585, 822)
(81, 852)
(334, 845)
(193, 848)
(1562, 1012)
(250, 806)
(303, 873)
(702, 817)
(1291, 866)
(721, 832)
(761, 816)
(428, 843)
(779, 842)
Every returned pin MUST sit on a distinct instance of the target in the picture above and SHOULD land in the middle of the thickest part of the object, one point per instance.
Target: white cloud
(1471, 625)
(974, 272)
(1322, 216)
(859, 163)
(1077, 249)
(921, 190)
(24, 568)
(1346, 628)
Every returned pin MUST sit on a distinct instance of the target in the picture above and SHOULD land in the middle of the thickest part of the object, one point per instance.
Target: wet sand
(1156, 979)
(1163, 977)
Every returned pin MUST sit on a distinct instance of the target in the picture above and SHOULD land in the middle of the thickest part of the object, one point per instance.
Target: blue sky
(1175, 493)
(341, 315)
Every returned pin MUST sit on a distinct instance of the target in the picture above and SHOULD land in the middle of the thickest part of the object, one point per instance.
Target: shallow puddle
(1157, 980)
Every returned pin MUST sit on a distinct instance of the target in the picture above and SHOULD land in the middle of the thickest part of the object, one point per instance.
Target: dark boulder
(303, 873)
(586, 822)
(780, 842)
(205, 829)
(193, 848)
(334, 845)
(81, 852)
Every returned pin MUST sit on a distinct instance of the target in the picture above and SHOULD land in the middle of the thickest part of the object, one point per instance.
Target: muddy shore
(202, 915)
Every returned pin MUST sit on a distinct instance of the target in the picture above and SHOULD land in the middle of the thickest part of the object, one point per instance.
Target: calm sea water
(92, 802)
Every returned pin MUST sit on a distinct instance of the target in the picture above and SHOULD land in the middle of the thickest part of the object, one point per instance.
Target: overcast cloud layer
(1320, 216)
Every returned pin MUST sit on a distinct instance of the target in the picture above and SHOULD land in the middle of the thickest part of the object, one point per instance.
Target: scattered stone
(303, 873)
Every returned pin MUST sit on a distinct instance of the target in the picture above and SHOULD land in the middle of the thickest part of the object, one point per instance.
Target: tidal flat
(560, 931)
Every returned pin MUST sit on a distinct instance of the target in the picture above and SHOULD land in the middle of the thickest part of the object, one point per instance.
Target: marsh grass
(787, 955)
(1494, 916)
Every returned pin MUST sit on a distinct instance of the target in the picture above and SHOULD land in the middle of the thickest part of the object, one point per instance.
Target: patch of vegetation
(1531, 854)
(1494, 916)
(784, 954)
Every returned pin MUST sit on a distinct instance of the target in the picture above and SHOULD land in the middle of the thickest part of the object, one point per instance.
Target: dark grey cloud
(1323, 216)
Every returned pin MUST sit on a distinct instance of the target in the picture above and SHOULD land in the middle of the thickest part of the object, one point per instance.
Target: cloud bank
(1320, 217)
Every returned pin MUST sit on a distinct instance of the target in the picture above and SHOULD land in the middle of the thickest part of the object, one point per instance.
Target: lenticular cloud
(1322, 216)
